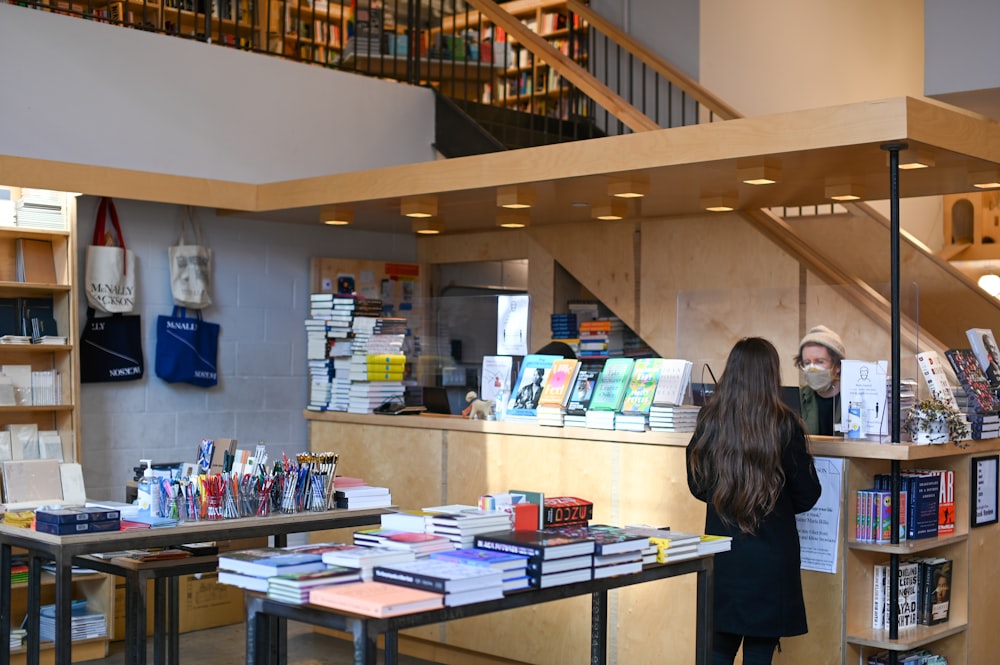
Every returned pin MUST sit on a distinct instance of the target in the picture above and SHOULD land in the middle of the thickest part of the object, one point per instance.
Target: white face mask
(818, 379)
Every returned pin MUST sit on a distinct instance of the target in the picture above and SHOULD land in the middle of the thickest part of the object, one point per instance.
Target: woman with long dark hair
(748, 461)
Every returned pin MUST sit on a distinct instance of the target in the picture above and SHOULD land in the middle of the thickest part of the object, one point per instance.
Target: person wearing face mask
(820, 353)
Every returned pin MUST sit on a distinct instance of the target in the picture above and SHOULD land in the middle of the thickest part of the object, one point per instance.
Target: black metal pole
(893, 149)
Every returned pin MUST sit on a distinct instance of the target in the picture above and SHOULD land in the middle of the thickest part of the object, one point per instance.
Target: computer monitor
(436, 400)
(703, 391)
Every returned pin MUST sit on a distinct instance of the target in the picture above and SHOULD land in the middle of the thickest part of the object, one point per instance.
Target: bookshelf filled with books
(866, 599)
(525, 82)
(39, 386)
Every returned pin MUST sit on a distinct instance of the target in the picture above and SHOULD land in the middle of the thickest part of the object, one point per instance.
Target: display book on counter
(69, 520)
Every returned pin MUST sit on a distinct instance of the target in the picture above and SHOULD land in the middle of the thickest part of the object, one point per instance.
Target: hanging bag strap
(181, 313)
(188, 221)
(101, 235)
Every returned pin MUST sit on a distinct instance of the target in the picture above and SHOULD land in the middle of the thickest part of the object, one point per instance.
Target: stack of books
(553, 558)
(364, 558)
(361, 496)
(378, 369)
(376, 599)
(673, 418)
(84, 624)
(41, 209)
(617, 551)
(420, 543)
(250, 569)
(670, 546)
(514, 567)
(713, 544)
(317, 356)
(602, 338)
(295, 588)
(564, 326)
(460, 584)
(609, 393)
(407, 520)
(461, 527)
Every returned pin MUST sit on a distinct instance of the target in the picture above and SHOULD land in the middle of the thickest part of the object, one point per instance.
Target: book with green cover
(609, 392)
(642, 386)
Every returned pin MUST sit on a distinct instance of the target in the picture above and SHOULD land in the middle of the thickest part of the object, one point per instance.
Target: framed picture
(984, 490)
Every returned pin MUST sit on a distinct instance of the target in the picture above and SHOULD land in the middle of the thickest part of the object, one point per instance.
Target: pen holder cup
(213, 509)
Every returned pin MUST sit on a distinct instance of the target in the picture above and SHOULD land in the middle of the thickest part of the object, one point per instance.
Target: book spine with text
(408, 579)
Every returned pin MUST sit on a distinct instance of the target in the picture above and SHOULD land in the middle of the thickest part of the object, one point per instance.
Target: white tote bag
(190, 267)
(110, 268)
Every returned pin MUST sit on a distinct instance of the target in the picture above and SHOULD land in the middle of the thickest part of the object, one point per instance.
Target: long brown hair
(742, 429)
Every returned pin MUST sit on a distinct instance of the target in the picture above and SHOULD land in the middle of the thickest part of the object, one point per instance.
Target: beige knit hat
(824, 337)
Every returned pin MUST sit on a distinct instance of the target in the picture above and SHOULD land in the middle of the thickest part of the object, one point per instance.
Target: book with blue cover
(473, 556)
(270, 561)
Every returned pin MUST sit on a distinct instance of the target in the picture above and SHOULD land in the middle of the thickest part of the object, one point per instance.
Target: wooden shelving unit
(64, 417)
(863, 460)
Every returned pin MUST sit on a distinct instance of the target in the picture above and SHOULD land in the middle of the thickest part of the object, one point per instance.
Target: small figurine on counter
(478, 409)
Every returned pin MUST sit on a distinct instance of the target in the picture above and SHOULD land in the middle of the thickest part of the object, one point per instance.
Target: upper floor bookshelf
(465, 53)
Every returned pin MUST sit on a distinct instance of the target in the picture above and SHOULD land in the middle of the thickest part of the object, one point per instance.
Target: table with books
(364, 593)
(65, 550)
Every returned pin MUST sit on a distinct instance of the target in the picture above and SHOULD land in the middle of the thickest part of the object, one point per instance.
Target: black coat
(758, 587)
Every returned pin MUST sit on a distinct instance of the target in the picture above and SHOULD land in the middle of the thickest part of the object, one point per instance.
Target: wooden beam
(630, 116)
(651, 59)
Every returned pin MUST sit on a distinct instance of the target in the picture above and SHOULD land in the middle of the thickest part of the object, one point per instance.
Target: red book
(566, 510)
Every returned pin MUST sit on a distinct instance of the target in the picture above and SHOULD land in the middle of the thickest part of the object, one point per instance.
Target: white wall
(260, 300)
(772, 56)
(92, 93)
(962, 45)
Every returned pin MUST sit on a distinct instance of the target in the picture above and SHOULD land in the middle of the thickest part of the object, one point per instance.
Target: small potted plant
(932, 420)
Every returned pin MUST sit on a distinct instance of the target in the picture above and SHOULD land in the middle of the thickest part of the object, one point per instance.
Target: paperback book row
(616, 393)
(926, 506)
(25, 441)
(975, 391)
(924, 592)
(22, 385)
(355, 354)
(911, 657)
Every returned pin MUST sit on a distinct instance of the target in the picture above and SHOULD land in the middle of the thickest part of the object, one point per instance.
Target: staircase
(848, 251)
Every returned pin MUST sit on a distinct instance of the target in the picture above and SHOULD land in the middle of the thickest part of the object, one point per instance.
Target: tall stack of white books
(340, 331)
(317, 358)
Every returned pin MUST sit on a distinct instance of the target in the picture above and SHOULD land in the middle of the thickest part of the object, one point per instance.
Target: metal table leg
(703, 638)
(5, 565)
(598, 627)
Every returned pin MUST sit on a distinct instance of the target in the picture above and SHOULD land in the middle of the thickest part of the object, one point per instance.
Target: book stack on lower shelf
(924, 592)
(85, 623)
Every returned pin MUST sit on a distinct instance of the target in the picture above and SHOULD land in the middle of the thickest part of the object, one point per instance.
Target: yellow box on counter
(202, 603)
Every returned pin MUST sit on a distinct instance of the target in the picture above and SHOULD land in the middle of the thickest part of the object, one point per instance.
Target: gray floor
(224, 646)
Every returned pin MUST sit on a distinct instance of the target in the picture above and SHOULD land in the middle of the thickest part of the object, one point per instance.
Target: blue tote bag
(186, 349)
